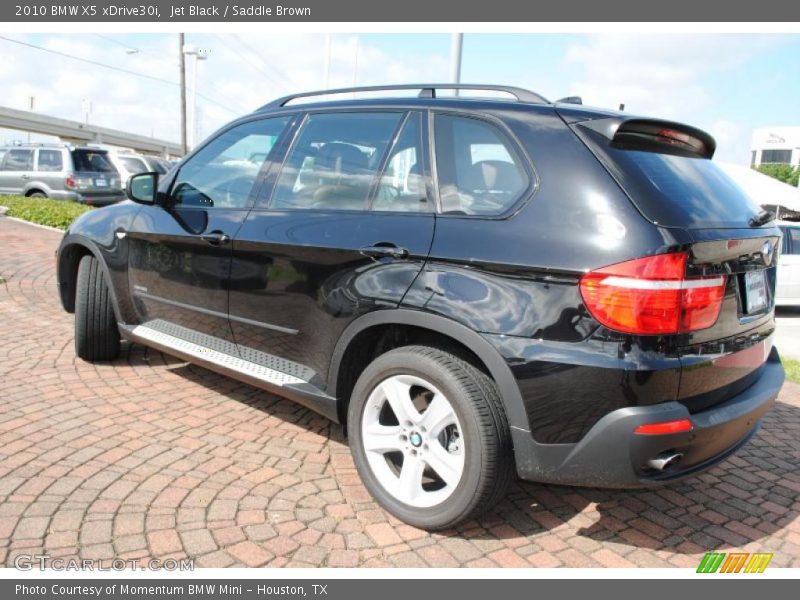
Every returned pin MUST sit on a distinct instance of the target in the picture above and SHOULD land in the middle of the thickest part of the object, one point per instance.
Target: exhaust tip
(665, 460)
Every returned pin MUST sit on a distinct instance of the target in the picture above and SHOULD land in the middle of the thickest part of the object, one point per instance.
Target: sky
(726, 84)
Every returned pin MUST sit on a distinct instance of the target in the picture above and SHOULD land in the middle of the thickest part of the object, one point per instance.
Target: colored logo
(734, 562)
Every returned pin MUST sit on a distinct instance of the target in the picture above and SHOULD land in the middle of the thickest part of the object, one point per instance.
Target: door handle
(216, 238)
(24, 176)
(384, 250)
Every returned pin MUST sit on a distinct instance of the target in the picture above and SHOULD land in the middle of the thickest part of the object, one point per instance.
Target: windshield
(677, 191)
(92, 160)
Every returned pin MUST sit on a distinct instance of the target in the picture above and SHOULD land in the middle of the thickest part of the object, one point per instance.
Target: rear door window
(92, 161)
(334, 161)
(18, 160)
(50, 160)
(478, 170)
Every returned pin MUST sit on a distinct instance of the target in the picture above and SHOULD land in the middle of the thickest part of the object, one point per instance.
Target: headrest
(341, 159)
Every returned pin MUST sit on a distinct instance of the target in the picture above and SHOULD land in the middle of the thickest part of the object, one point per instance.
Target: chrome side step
(280, 376)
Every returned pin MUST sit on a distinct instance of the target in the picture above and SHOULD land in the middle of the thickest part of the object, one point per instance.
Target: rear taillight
(70, 182)
(652, 296)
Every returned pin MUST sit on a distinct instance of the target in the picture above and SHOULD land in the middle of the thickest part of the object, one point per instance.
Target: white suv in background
(787, 291)
(130, 163)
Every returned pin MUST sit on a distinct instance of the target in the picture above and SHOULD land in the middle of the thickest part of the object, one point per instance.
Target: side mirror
(142, 188)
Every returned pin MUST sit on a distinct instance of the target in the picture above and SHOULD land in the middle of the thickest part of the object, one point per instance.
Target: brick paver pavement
(151, 457)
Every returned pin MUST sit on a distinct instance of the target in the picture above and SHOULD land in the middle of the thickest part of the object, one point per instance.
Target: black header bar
(441, 11)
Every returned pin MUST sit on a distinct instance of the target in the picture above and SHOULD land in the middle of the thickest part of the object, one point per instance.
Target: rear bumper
(612, 455)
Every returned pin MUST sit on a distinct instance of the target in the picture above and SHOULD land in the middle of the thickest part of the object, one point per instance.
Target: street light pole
(183, 93)
(198, 54)
(456, 45)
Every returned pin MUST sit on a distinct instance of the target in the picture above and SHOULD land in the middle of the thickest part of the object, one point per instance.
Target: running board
(216, 355)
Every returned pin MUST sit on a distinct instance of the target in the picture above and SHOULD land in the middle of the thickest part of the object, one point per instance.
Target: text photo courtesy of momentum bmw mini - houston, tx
(290, 295)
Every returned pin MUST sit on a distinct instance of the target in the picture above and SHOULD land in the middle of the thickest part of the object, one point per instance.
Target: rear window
(132, 164)
(92, 160)
(676, 191)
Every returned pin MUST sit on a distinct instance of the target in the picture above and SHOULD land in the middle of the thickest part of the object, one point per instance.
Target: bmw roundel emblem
(766, 253)
(415, 439)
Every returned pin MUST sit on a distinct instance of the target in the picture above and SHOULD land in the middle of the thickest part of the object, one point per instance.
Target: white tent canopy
(765, 190)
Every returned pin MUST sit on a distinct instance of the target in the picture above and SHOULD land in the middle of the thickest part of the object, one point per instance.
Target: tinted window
(402, 185)
(133, 165)
(221, 174)
(776, 156)
(95, 161)
(18, 160)
(479, 173)
(676, 191)
(50, 160)
(793, 234)
(334, 161)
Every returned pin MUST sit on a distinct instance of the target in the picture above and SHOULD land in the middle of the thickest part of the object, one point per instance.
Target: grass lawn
(792, 368)
(44, 211)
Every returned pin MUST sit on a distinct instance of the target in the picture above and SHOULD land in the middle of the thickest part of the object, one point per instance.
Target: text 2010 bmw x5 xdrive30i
(477, 288)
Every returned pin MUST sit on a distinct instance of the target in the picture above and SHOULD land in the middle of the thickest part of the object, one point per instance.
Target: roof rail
(426, 90)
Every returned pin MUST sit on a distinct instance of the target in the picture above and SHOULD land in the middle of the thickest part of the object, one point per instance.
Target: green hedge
(792, 368)
(44, 211)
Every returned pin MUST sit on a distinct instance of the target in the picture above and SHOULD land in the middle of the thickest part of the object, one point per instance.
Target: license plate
(755, 291)
(101, 182)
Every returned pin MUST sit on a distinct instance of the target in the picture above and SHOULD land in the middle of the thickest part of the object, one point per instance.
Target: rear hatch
(94, 175)
(666, 170)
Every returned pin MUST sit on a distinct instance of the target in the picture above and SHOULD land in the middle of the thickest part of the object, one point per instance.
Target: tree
(785, 173)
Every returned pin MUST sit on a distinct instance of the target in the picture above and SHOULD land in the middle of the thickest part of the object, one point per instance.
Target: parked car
(476, 289)
(787, 291)
(59, 171)
(130, 163)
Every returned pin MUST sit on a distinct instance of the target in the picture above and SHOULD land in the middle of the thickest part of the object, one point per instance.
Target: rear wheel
(96, 333)
(37, 194)
(429, 437)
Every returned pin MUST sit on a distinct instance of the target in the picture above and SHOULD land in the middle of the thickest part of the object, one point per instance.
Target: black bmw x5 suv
(476, 288)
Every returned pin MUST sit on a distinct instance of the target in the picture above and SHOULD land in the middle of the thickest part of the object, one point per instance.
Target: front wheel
(96, 332)
(429, 437)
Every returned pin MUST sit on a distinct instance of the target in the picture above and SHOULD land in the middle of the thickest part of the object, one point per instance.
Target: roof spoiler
(654, 135)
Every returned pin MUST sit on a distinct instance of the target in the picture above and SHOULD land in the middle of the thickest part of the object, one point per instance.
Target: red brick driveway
(149, 456)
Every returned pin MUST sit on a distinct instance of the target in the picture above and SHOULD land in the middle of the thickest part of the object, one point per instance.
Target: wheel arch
(72, 249)
(490, 360)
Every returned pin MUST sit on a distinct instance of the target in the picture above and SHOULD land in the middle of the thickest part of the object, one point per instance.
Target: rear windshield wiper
(765, 216)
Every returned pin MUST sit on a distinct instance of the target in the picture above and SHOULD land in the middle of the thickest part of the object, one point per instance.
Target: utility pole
(456, 43)
(327, 67)
(183, 92)
(33, 107)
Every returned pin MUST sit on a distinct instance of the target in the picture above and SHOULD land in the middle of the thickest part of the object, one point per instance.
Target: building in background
(776, 145)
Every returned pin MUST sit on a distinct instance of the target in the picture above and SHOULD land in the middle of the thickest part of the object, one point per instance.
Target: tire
(37, 195)
(96, 334)
(477, 438)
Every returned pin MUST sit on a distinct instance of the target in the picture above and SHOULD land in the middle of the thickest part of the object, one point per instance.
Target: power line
(113, 68)
(251, 63)
(128, 47)
(277, 71)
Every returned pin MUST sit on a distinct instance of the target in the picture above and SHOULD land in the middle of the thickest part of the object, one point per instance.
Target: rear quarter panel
(515, 280)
